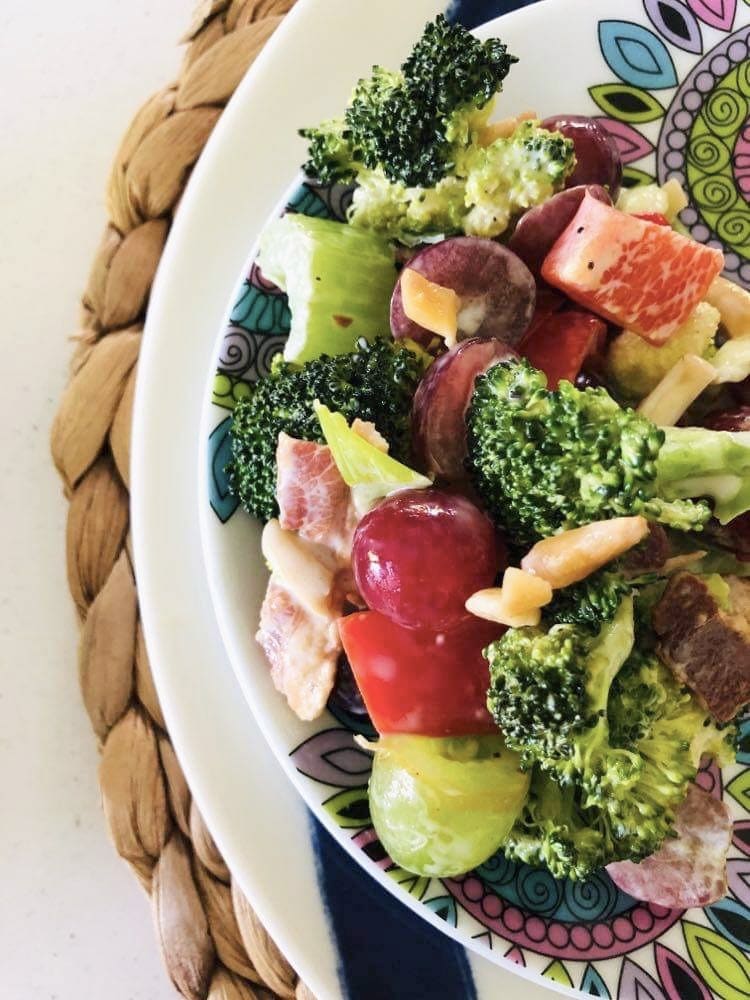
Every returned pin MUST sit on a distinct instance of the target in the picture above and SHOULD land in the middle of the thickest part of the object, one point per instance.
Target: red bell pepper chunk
(560, 344)
(416, 681)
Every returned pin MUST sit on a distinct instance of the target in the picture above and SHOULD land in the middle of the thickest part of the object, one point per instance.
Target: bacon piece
(689, 869)
(309, 551)
(313, 498)
(302, 649)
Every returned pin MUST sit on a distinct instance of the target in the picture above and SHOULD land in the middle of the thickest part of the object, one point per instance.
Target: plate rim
(207, 524)
(156, 469)
(144, 563)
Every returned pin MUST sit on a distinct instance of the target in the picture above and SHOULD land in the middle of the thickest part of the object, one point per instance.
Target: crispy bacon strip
(299, 636)
(313, 498)
(301, 647)
(705, 646)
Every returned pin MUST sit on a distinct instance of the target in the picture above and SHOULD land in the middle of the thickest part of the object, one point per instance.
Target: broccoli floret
(590, 602)
(665, 730)
(329, 152)
(510, 175)
(376, 382)
(612, 756)
(414, 141)
(543, 461)
(636, 367)
(489, 186)
(549, 686)
(554, 831)
(405, 122)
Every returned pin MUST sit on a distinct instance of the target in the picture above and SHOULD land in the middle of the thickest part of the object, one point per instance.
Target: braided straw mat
(213, 944)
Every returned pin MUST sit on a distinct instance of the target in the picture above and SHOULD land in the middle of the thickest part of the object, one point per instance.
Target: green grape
(442, 806)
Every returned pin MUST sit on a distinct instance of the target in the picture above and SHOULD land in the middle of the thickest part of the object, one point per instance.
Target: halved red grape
(346, 695)
(738, 532)
(729, 420)
(495, 289)
(597, 155)
(740, 391)
(538, 229)
(438, 427)
(420, 554)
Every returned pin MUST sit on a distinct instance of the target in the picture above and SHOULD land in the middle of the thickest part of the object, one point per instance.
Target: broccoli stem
(695, 462)
(608, 655)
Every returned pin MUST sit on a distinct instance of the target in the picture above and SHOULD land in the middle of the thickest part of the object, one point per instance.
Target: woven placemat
(212, 942)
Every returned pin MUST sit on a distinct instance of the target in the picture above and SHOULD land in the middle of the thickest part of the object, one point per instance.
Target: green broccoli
(613, 739)
(405, 123)
(554, 831)
(415, 143)
(376, 382)
(510, 175)
(488, 187)
(544, 461)
(589, 602)
(695, 462)
(547, 687)
(338, 280)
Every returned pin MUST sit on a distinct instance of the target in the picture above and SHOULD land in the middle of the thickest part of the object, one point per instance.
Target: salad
(503, 467)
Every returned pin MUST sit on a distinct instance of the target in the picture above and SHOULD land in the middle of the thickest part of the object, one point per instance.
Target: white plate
(243, 171)
(255, 815)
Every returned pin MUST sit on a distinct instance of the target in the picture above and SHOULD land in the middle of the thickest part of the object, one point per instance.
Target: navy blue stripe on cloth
(386, 952)
(473, 12)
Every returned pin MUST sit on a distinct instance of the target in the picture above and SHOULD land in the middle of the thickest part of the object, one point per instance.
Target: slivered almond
(524, 592)
(573, 555)
(516, 604)
(432, 306)
(733, 304)
(295, 564)
(678, 390)
(503, 129)
(491, 605)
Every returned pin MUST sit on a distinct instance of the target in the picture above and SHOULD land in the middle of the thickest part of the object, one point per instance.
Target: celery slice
(372, 474)
(339, 281)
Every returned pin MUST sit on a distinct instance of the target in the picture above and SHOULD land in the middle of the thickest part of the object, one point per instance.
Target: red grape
(420, 554)
(738, 533)
(346, 695)
(495, 289)
(438, 426)
(740, 391)
(729, 420)
(597, 155)
(538, 229)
